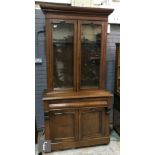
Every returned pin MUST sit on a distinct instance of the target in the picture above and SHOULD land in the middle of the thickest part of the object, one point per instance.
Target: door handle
(58, 113)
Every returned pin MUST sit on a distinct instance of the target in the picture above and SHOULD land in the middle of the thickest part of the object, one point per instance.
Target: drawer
(78, 104)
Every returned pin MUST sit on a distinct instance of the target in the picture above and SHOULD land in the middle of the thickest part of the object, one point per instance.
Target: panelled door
(78, 124)
(64, 125)
(92, 122)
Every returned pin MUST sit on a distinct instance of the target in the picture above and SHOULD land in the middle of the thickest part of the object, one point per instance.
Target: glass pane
(63, 48)
(90, 55)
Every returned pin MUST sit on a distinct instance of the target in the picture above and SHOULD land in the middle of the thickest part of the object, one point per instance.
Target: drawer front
(63, 125)
(93, 122)
(79, 104)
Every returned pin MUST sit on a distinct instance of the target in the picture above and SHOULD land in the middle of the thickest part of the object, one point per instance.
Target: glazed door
(92, 122)
(75, 54)
(62, 54)
(64, 125)
(91, 54)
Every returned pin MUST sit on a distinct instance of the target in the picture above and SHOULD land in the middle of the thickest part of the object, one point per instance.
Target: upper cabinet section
(75, 47)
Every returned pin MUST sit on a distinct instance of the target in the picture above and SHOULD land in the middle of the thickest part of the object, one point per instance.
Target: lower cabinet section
(71, 126)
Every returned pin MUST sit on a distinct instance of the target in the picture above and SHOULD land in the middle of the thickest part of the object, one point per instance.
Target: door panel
(63, 124)
(91, 122)
(90, 48)
(63, 34)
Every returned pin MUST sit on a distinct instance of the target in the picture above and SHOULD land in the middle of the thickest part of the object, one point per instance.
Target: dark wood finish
(80, 14)
(116, 107)
(62, 9)
(76, 117)
(91, 122)
(71, 16)
(78, 59)
(40, 3)
(77, 120)
(63, 125)
(90, 142)
(48, 56)
(55, 95)
(103, 56)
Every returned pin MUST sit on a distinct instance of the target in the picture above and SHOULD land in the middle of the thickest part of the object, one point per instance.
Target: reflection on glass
(63, 54)
(90, 55)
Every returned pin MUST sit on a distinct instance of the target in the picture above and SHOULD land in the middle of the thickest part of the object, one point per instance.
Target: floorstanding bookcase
(76, 104)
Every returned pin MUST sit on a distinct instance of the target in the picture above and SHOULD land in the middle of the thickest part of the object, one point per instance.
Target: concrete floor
(113, 148)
